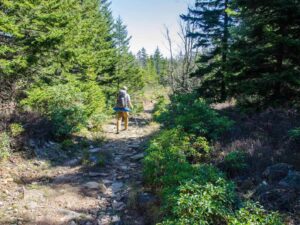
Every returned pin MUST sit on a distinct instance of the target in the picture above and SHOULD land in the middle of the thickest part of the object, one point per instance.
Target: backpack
(121, 101)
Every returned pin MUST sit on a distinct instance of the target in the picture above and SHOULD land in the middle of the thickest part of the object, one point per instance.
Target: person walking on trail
(122, 108)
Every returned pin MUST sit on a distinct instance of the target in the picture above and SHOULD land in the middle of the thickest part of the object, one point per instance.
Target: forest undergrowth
(202, 157)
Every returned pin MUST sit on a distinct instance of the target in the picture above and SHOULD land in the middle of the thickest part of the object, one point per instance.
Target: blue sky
(145, 20)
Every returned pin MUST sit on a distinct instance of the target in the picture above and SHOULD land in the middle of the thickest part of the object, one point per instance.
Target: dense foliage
(194, 193)
(264, 58)
(153, 67)
(175, 167)
(69, 106)
(212, 23)
(193, 115)
(249, 50)
(66, 58)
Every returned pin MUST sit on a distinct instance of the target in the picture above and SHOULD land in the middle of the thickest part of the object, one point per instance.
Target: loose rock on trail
(34, 192)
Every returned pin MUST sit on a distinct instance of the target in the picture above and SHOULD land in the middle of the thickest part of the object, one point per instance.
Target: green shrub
(67, 144)
(235, 162)
(5, 149)
(169, 154)
(254, 214)
(208, 174)
(201, 175)
(194, 116)
(16, 129)
(69, 106)
(192, 192)
(295, 133)
(200, 150)
(204, 204)
(164, 151)
(160, 107)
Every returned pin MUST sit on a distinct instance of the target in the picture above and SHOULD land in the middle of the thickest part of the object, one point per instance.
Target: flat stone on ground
(117, 186)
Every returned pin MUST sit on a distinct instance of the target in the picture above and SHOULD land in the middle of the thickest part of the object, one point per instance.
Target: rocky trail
(36, 192)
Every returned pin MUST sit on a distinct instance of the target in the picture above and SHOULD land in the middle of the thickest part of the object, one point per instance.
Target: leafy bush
(16, 129)
(200, 149)
(4, 145)
(201, 176)
(199, 193)
(67, 144)
(169, 154)
(168, 171)
(295, 133)
(160, 107)
(165, 152)
(194, 116)
(192, 192)
(204, 204)
(254, 214)
(235, 162)
(69, 106)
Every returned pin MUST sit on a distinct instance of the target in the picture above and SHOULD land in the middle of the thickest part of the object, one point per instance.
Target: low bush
(254, 214)
(68, 106)
(160, 107)
(295, 133)
(5, 149)
(203, 203)
(165, 152)
(190, 191)
(169, 154)
(16, 129)
(194, 116)
(199, 150)
(195, 193)
(67, 144)
(235, 162)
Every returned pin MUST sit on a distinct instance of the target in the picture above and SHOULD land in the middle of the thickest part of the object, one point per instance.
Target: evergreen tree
(150, 74)
(157, 59)
(89, 44)
(127, 71)
(142, 57)
(35, 34)
(105, 9)
(121, 38)
(265, 55)
(160, 65)
(212, 22)
(56, 45)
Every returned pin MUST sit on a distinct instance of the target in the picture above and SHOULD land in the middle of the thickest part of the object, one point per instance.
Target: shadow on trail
(115, 161)
(80, 182)
(80, 172)
(44, 149)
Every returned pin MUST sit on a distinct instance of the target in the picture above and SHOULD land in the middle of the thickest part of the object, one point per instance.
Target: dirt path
(35, 192)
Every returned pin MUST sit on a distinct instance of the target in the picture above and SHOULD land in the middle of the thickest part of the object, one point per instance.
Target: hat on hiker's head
(124, 88)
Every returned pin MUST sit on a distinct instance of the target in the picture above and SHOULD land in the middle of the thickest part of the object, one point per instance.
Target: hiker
(123, 108)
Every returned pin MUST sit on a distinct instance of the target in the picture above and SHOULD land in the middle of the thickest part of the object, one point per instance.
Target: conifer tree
(160, 65)
(52, 42)
(265, 55)
(105, 9)
(142, 57)
(157, 59)
(35, 34)
(212, 23)
(127, 71)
